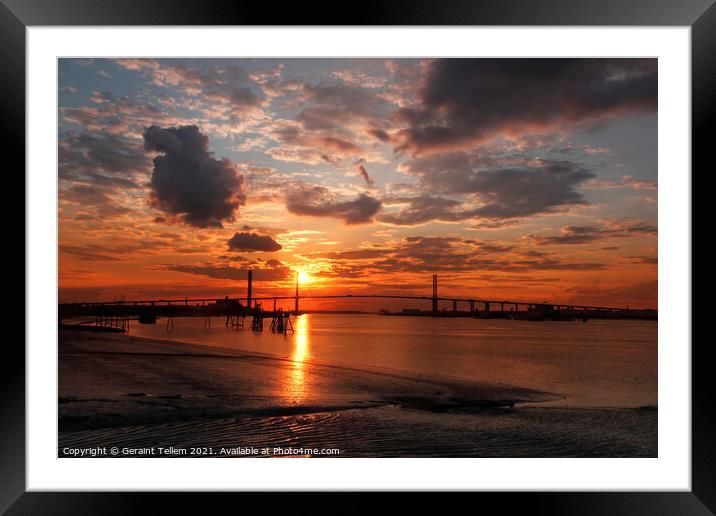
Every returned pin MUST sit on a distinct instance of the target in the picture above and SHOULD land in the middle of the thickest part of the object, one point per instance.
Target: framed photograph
(443, 248)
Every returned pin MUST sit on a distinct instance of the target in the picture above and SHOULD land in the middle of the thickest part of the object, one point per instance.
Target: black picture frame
(16, 15)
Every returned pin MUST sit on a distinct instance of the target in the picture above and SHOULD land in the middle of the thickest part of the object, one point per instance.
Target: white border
(670, 471)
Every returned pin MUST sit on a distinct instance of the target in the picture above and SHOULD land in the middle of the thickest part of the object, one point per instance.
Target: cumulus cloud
(470, 101)
(187, 182)
(538, 187)
(252, 242)
(318, 201)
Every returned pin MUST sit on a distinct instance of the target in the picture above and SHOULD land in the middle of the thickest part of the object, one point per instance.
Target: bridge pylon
(435, 293)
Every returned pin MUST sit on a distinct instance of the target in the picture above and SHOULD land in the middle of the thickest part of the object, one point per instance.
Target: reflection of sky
(368, 174)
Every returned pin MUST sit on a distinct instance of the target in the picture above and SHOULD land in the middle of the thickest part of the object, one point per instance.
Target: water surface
(608, 363)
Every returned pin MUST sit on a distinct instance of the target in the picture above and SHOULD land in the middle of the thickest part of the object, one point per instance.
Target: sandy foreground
(140, 394)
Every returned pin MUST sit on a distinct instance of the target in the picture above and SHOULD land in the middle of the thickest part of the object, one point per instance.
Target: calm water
(597, 364)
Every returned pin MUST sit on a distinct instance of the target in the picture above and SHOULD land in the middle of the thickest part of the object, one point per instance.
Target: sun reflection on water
(296, 389)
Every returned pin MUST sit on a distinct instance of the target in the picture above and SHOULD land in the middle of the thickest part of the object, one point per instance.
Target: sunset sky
(517, 179)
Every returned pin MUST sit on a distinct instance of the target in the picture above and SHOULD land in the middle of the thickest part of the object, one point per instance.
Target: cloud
(88, 254)
(364, 174)
(570, 235)
(471, 101)
(310, 147)
(94, 251)
(423, 254)
(187, 182)
(425, 208)
(379, 134)
(331, 125)
(252, 242)
(228, 85)
(640, 260)
(336, 103)
(108, 114)
(318, 201)
(575, 235)
(268, 270)
(101, 158)
(97, 199)
(623, 182)
(541, 186)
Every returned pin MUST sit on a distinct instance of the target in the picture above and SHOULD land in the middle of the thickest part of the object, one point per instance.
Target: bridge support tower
(435, 293)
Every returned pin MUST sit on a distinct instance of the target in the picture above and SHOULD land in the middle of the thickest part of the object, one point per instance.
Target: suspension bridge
(116, 314)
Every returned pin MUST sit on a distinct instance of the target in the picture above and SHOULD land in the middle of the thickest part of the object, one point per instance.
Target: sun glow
(304, 277)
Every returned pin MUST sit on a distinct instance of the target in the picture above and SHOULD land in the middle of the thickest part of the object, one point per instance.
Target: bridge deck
(187, 301)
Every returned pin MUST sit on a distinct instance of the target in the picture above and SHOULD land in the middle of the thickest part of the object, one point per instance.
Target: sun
(303, 277)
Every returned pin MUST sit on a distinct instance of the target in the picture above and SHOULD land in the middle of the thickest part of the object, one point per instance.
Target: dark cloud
(468, 101)
(364, 174)
(318, 201)
(187, 182)
(380, 135)
(252, 242)
(539, 187)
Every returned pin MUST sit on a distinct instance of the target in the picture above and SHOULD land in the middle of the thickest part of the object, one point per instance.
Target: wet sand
(119, 391)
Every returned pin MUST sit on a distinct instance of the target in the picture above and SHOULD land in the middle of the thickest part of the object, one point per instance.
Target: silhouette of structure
(435, 293)
(115, 315)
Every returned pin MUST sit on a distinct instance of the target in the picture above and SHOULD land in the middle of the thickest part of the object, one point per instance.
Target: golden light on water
(296, 388)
